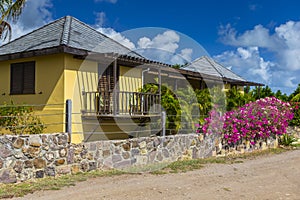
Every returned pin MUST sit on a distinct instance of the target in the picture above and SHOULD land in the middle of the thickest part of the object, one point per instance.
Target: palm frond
(11, 10)
(5, 31)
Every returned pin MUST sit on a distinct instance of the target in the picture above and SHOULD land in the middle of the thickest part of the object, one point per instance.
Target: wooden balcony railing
(120, 103)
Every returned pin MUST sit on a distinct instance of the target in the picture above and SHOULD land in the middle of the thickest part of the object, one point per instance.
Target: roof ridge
(210, 62)
(112, 40)
(228, 69)
(65, 36)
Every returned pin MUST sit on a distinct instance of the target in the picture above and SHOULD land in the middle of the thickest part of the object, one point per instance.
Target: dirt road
(272, 177)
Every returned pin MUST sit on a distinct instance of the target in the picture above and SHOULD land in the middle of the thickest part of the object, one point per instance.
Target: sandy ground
(272, 177)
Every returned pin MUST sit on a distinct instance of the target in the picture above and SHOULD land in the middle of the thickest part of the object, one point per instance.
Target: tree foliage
(10, 10)
(20, 120)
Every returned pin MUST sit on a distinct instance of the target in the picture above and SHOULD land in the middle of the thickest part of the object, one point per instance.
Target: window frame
(22, 78)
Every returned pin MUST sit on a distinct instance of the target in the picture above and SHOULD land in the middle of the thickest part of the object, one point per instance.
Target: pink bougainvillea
(261, 119)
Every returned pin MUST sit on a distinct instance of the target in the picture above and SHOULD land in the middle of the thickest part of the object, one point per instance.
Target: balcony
(121, 104)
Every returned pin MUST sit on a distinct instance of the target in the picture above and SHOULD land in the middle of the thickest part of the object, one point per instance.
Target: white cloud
(282, 45)
(167, 41)
(184, 56)
(100, 18)
(248, 63)
(164, 47)
(259, 36)
(117, 37)
(34, 15)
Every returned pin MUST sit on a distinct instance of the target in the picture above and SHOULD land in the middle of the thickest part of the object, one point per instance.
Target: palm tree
(9, 10)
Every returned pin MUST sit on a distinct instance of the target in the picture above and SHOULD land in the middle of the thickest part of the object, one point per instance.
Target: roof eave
(42, 52)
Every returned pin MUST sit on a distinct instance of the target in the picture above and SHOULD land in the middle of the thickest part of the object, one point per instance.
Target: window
(22, 78)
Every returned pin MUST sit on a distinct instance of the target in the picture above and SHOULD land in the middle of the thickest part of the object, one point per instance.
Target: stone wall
(37, 156)
(294, 131)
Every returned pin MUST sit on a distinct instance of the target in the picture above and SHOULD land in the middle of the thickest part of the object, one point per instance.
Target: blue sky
(259, 40)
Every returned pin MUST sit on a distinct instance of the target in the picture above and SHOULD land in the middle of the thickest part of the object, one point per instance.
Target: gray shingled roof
(67, 31)
(207, 66)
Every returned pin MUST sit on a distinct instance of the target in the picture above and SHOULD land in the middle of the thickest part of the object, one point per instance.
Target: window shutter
(16, 78)
(22, 80)
(29, 78)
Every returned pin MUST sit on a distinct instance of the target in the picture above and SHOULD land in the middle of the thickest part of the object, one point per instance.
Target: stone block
(116, 158)
(106, 153)
(39, 174)
(159, 156)
(31, 152)
(123, 164)
(62, 139)
(28, 164)
(39, 163)
(126, 146)
(141, 160)
(152, 156)
(50, 171)
(50, 156)
(75, 169)
(5, 152)
(134, 144)
(142, 145)
(107, 164)
(92, 146)
(126, 155)
(18, 154)
(135, 152)
(18, 143)
(63, 152)
(70, 156)
(60, 162)
(18, 166)
(35, 141)
(92, 165)
(166, 153)
(84, 166)
(90, 156)
(144, 151)
(8, 176)
(64, 169)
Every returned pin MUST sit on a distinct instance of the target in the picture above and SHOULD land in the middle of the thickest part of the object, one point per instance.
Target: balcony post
(115, 93)
(159, 87)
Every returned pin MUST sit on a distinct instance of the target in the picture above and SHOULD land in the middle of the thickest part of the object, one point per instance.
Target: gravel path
(267, 177)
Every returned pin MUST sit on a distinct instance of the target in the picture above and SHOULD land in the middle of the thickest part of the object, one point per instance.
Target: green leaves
(20, 120)
(9, 10)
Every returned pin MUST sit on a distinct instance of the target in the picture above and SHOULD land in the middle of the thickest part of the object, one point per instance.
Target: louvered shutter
(22, 78)
(16, 80)
(29, 78)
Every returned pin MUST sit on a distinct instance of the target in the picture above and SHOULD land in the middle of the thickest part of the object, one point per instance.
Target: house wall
(80, 75)
(49, 84)
(130, 79)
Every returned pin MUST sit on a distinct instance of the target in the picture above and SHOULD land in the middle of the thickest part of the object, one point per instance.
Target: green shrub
(20, 120)
(286, 139)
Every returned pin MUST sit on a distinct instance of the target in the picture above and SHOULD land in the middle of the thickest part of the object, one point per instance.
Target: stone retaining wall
(37, 156)
(294, 131)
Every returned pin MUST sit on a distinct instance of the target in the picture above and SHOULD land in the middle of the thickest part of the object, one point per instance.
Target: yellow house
(68, 60)
(54, 63)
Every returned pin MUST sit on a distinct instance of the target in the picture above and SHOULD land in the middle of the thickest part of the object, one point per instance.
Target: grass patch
(50, 183)
(227, 189)
(189, 165)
